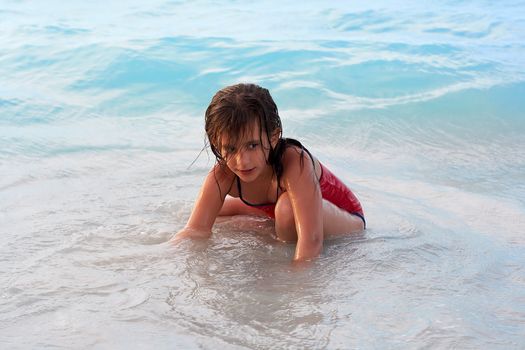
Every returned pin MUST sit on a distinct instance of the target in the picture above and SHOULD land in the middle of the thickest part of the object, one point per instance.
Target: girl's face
(247, 157)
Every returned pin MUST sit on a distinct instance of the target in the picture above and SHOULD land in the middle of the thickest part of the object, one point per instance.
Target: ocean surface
(418, 106)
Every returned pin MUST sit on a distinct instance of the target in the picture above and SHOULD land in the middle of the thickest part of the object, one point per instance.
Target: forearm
(205, 210)
(307, 249)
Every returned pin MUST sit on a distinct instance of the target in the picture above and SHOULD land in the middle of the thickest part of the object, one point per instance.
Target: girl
(260, 173)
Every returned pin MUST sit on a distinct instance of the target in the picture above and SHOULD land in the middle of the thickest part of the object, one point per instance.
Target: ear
(275, 137)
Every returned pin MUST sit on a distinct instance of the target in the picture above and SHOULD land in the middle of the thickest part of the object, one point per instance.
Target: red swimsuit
(332, 189)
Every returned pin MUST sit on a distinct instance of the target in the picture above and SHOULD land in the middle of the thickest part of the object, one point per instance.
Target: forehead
(250, 132)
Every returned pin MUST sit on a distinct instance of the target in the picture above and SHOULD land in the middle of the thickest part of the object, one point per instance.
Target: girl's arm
(207, 205)
(307, 203)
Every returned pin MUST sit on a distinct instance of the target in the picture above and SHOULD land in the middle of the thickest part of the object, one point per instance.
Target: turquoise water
(419, 107)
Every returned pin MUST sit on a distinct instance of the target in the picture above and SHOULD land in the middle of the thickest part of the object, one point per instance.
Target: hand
(189, 232)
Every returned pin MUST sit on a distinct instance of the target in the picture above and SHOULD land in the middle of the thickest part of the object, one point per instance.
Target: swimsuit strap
(248, 203)
(313, 162)
(294, 142)
(287, 141)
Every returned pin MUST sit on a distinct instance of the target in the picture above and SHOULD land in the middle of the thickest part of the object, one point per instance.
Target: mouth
(246, 171)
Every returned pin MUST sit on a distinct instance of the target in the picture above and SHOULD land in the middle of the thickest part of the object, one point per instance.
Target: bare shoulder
(222, 176)
(297, 161)
(294, 154)
(221, 173)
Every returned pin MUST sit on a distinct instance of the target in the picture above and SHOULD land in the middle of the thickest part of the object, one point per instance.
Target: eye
(253, 145)
(228, 150)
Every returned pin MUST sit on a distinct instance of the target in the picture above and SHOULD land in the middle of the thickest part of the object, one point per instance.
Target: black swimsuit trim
(251, 204)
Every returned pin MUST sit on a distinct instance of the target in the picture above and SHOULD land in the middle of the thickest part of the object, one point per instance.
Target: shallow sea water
(418, 107)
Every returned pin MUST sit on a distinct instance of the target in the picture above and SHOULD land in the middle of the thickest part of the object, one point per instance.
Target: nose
(243, 159)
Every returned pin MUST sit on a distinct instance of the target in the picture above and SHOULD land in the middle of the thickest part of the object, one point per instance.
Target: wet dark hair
(234, 109)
